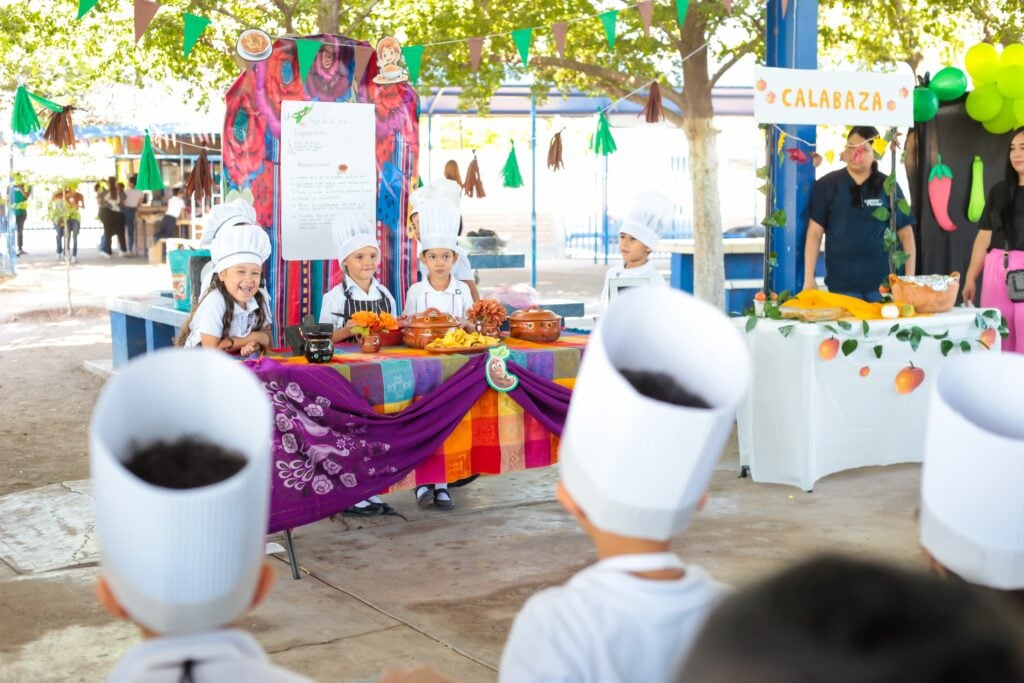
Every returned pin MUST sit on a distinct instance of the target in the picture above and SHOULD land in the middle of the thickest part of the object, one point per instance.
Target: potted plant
(487, 315)
(368, 326)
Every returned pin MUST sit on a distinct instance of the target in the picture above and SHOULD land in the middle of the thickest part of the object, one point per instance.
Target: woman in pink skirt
(999, 246)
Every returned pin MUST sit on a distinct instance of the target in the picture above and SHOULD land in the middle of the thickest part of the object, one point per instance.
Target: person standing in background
(131, 202)
(20, 206)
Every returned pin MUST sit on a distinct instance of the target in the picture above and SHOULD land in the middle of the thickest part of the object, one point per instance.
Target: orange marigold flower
(364, 318)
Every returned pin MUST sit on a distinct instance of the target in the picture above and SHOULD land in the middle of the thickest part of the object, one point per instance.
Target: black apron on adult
(958, 138)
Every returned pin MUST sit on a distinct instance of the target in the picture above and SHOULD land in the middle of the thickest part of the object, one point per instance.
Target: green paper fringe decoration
(52, 106)
(149, 170)
(24, 119)
(510, 175)
(603, 143)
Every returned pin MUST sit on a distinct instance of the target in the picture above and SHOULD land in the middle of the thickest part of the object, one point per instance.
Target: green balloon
(1012, 54)
(949, 84)
(984, 103)
(1004, 121)
(1010, 81)
(982, 62)
(1018, 109)
(926, 105)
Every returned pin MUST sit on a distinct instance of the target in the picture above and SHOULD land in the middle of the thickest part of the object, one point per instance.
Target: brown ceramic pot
(429, 325)
(370, 343)
(923, 298)
(535, 325)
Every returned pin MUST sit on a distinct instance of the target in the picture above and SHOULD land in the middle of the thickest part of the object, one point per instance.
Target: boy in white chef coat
(649, 218)
(452, 191)
(182, 496)
(644, 431)
(972, 483)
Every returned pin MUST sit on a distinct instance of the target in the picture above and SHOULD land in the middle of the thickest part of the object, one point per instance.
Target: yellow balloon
(1018, 109)
(1004, 121)
(1012, 54)
(982, 62)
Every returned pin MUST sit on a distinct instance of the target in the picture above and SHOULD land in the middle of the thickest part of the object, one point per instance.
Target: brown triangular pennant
(476, 48)
(363, 54)
(646, 8)
(559, 30)
(145, 10)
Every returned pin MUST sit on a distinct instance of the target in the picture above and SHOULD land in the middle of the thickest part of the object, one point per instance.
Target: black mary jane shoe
(425, 495)
(443, 499)
(371, 510)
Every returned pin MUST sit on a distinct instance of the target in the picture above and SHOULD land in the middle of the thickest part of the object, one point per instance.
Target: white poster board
(327, 163)
(840, 97)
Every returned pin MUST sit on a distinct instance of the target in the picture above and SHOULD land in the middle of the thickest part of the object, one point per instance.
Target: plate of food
(460, 341)
(254, 45)
(812, 315)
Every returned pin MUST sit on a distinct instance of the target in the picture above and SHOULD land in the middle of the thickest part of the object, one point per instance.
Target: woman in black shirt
(999, 246)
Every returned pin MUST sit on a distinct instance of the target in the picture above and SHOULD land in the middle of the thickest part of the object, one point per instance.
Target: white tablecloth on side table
(805, 418)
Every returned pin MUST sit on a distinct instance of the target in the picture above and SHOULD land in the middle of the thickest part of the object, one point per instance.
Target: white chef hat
(227, 213)
(182, 560)
(245, 243)
(448, 189)
(419, 197)
(352, 230)
(635, 465)
(649, 218)
(972, 505)
(439, 225)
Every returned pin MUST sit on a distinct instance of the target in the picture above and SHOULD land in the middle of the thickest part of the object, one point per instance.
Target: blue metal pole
(533, 192)
(792, 43)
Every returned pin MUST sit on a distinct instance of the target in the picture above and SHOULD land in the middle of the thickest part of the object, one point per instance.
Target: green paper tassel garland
(149, 170)
(24, 119)
(603, 143)
(510, 175)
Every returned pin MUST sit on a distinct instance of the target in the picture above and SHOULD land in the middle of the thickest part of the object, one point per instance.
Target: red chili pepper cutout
(940, 182)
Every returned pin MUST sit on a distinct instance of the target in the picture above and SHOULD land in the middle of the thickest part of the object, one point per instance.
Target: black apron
(378, 306)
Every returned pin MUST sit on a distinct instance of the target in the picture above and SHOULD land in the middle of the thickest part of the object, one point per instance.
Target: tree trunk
(328, 14)
(708, 263)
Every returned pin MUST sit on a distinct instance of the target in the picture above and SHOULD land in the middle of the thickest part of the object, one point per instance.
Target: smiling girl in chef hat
(234, 313)
(972, 485)
(182, 503)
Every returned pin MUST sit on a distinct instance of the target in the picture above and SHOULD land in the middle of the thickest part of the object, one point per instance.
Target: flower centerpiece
(487, 315)
(368, 326)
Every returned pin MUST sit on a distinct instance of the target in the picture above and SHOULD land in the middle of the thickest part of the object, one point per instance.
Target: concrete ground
(374, 593)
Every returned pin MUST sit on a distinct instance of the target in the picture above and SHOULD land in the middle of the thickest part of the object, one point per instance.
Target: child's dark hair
(184, 464)
(843, 620)
(663, 387)
(216, 284)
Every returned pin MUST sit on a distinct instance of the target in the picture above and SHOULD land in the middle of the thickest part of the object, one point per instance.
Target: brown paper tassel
(60, 130)
(652, 110)
(200, 180)
(555, 152)
(474, 186)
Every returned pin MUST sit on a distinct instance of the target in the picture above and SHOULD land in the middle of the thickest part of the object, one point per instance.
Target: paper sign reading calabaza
(821, 97)
(327, 164)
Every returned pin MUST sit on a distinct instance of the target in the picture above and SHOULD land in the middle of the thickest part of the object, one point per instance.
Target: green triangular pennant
(603, 143)
(194, 27)
(413, 61)
(608, 19)
(24, 119)
(84, 6)
(149, 170)
(510, 175)
(307, 50)
(681, 6)
(52, 106)
(522, 37)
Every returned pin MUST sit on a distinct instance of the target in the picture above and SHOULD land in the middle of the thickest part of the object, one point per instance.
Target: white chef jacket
(454, 299)
(609, 626)
(645, 272)
(209, 316)
(461, 270)
(332, 308)
(225, 655)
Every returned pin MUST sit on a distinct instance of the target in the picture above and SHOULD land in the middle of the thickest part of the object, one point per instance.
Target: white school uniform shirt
(454, 299)
(175, 205)
(461, 270)
(332, 308)
(226, 655)
(209, 316)
(645, 272)
(609, 626)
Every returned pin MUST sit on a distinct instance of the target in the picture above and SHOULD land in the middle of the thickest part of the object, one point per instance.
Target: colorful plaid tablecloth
(495, 436)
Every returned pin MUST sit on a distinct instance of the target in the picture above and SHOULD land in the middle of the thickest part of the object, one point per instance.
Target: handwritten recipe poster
(327, 164)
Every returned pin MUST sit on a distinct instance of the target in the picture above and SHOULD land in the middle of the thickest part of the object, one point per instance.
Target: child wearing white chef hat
(649, 218)
(234, 312)
(359, 256)
(182, 502)
(452, 191)
(644, 431)
(223, 215)
(972, 485)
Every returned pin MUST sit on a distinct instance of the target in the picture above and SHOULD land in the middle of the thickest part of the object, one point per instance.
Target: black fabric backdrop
(958, 138)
